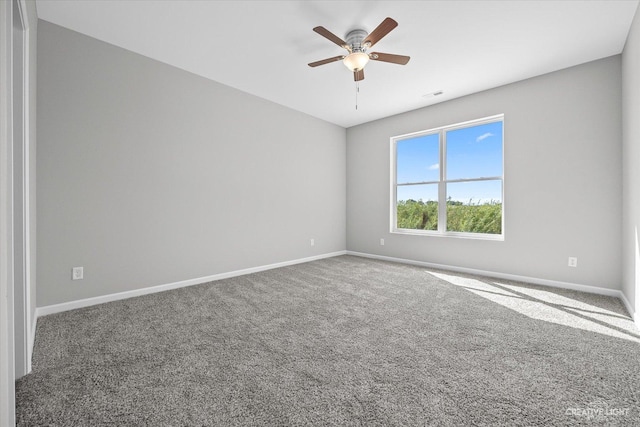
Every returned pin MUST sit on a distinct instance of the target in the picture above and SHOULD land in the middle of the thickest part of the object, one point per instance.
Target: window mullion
(442, 187)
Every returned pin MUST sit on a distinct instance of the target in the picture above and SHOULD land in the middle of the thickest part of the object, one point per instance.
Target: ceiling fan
(358, 41)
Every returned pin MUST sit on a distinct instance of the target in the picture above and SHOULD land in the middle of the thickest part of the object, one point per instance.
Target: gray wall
(149, 175)
(562, 179)
(631, 164)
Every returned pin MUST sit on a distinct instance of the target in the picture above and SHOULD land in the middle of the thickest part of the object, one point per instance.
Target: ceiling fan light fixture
(356, 61)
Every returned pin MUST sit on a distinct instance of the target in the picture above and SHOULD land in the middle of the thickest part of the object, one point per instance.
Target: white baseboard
(545, 282)
(627, 305)
(57, 308)
(87, 302)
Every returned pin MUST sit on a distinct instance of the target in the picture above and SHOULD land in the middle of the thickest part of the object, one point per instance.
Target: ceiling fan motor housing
(355, 38)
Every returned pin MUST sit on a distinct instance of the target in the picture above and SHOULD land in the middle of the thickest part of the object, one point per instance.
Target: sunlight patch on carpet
(549, 306)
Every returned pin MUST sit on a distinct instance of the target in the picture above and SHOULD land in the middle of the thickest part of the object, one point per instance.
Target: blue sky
(472, 152)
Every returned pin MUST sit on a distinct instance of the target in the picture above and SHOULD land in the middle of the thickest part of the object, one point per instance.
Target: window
(449, 180)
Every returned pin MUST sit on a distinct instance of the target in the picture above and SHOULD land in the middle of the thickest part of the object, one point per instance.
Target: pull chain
(357, 91)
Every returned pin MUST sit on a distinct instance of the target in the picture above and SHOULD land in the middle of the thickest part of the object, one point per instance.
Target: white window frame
(442, 181)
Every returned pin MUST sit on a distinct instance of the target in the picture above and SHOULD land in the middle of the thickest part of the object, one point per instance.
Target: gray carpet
(342, 341)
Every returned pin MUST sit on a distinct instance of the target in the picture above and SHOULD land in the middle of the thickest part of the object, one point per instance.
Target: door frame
(8, 365)
(21, 185)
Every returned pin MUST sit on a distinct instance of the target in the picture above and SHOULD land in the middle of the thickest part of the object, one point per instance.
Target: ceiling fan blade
(382, 30)
(330, 36)
(326, 61)
(389, 57)
(358, 75)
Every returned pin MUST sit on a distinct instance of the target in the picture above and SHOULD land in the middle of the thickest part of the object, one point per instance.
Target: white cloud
(484, 136)
(434, 167)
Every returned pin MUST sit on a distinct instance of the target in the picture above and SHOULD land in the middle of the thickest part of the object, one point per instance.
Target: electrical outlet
(573, 261)
(77, 273)
(381, 242)
(313, 242)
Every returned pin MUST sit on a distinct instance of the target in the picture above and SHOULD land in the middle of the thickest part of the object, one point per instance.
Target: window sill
(471, 236)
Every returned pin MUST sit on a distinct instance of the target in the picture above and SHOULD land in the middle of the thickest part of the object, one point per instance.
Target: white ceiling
(263, 47)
